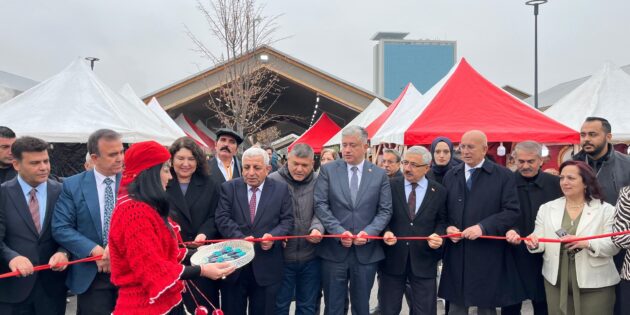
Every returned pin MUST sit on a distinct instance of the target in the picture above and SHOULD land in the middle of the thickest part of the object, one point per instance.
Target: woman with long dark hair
(193, 198)
(580, 276)
(144, 243)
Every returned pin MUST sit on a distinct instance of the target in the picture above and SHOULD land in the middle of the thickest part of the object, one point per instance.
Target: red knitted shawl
(145, 259)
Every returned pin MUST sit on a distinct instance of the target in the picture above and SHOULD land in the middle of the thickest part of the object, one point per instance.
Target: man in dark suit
(7, 137)
(419, 209)
(81, 222)
(255, 206)
(391, 163)
(535, 188)
(482, 200)
(225, 165)
(26, 205)
(352, 198)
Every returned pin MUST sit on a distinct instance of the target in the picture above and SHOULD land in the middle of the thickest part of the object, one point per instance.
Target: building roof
(389, 35)
(16, 82)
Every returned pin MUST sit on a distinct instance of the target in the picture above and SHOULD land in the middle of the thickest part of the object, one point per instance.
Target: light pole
(535, 4)
(92, 60)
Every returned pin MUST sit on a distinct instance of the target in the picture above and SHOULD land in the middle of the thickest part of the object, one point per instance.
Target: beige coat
(595, 267)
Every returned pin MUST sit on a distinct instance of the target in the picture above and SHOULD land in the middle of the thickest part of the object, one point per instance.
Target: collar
(468, 168)
(260, 188)
(221, 162)
(26, 187)
(422, 183)
(100, 177)
(359, 166)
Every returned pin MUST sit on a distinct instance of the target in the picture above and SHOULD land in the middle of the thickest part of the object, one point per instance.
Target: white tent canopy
(605, 94)
(366, 117)
(155, 107)
(71, 105)
(409, 108)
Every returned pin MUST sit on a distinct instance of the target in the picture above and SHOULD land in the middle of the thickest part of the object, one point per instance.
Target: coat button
(407, 243)
(411, 223)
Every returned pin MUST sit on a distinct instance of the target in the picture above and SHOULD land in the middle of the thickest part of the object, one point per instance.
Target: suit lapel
(366, 179)
(399, 193)
(16, 194)
(557, 214)
(195, 190)
(265, 194)
(428, 196)
(588, 214)
(342, 170)
(241, 196)
(90, 194)
(51, 192)
(179, 201)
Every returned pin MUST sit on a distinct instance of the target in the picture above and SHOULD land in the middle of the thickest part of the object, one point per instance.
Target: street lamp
(92, 60)
(535, 4)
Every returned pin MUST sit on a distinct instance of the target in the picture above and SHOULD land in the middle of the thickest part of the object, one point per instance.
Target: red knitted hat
(142, 156)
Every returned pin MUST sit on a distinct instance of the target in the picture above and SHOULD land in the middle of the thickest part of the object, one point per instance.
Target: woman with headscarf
(144, 243)
(443, 160)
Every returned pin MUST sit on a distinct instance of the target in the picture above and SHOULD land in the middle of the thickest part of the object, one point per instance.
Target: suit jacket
(594, 269)
(19, 237)
(430, 218)
(274, 215)
(77, 226)
(215, 171)
(370, 213)
(194, 212)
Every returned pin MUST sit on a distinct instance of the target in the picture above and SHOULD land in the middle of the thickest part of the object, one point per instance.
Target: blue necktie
(354, 184)
(109, 208)
(470, 178)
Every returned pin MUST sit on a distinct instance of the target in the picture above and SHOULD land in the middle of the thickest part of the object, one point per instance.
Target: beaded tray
(237, 252)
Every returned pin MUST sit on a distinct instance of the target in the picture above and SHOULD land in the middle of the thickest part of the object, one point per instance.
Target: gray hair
(256, 152)
(421, 151)
(528, 146)
(394, 152)
(332, 152)
(303, 151)
(355, 130)
(96, 136)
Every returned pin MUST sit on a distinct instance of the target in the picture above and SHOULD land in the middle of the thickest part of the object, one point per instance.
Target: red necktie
(252, 204)
(33, 206)
(412, 201)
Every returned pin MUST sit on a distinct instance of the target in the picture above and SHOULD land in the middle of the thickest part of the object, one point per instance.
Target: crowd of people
(142, 212)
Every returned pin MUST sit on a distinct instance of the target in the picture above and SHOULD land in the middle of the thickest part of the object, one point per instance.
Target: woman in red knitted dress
(144, 244)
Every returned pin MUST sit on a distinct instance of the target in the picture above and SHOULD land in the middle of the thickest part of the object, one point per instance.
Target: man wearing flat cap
(225, 165)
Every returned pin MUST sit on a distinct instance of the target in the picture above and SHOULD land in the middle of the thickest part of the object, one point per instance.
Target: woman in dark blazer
(193, 198)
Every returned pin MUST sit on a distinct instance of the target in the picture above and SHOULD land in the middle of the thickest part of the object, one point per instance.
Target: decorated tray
(237, 252)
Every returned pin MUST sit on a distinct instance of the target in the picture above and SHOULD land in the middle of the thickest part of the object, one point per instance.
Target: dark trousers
(540, 308)
(408, 295)
(455, 309)
(236, 295)
(624, 296)
(303, 278)
(209, 288)
(393, 287)
(39, 302)
(335, 278)
(100, 297)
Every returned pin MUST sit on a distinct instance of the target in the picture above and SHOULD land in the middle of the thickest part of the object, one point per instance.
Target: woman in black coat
(443, 158)
(193, 198)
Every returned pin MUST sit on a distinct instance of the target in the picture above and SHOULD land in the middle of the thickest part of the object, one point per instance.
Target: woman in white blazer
(579, 276)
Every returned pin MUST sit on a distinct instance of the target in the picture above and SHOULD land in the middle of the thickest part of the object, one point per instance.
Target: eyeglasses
(413, 164)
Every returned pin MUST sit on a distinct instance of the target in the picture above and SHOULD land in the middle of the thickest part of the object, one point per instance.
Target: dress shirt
(359, 171)
(421, 190)
(224, 170)
(100, 188)
(42, 194)
(468, 168)
(258, 194)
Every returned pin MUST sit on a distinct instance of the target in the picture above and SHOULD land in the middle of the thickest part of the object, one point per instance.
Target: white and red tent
(191, 130)
(320, 132)
(364, 118)
(409, 95)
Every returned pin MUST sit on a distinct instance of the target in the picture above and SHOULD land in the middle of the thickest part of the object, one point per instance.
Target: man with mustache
(534, 188)
(612, 167)
(225, 165)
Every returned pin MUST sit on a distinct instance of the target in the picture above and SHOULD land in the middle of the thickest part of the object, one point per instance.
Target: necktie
(252, 204)
(470, 178)
(109, 208)
(354, 184)
(412, 201)
(33, 207)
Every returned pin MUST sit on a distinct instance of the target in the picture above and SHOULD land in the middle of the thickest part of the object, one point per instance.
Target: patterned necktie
(412, 201)
(354, 184)
(109, 208)
(33, 206)
(470, 178)
(252, 204)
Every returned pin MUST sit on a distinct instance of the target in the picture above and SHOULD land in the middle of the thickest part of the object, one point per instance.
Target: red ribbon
(283, 238)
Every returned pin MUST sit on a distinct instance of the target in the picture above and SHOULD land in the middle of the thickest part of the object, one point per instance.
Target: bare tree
(267, 136)
(248, 90)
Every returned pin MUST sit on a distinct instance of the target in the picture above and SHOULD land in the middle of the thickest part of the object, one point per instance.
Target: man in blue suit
(255, 206)
(81, 222)
(352, 198)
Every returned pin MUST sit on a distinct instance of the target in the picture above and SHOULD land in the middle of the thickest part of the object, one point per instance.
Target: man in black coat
(419, 209)
(7, 137)
(255, 206)
(26, 206)
(482, 200)
(225, 165)
(534, 189)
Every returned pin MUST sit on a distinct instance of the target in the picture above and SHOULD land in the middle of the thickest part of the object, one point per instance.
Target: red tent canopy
(468, 101)
(318, 134)
(374, 126)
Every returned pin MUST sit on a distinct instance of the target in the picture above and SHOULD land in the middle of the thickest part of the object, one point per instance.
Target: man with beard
(225, 166)
(7, 137)
(612, 167)
(302, 273)
(534, 188)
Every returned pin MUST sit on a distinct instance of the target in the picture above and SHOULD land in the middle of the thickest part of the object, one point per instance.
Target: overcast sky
(144, 42)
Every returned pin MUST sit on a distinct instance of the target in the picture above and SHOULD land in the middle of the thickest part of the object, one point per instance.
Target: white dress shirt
(359, 171)
(100, 189)
(258, 194)
(224, 170)
(468, 168)
(421, 191)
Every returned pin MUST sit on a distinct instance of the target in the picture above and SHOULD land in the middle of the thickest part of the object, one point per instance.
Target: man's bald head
(474, 145)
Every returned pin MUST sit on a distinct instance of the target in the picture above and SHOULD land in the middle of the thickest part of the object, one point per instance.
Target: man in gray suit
(352, 198)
